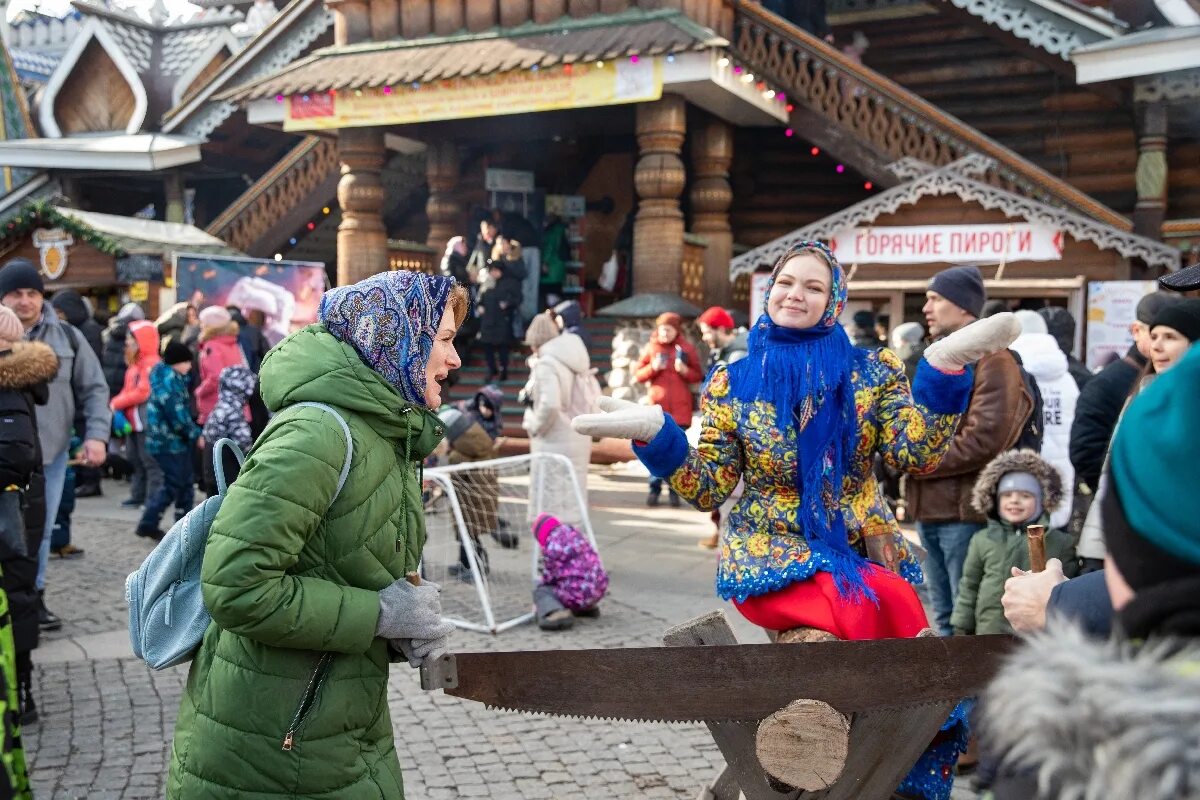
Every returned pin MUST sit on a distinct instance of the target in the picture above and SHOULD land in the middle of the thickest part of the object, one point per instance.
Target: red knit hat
(717, 317)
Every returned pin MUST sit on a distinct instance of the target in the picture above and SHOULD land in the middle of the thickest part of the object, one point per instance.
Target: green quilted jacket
(287, 695)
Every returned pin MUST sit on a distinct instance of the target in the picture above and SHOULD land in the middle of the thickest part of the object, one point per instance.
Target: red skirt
(815, 603)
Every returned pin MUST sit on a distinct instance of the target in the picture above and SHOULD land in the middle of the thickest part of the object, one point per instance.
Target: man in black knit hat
(1000, 405)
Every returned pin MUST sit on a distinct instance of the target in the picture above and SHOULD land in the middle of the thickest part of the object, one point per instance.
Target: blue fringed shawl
(808, 372)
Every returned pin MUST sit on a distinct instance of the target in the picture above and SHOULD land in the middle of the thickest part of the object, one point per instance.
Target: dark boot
(674, 498)
(504, 537)
(29, 714)
(148, 532)
(47, 620)
(652, 499)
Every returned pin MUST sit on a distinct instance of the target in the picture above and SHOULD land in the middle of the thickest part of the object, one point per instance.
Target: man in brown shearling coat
(1000, 405)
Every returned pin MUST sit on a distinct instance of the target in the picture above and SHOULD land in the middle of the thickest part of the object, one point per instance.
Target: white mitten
(621, 420)
(972, 342)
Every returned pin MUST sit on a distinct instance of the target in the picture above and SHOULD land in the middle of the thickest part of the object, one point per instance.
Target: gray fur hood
(1100, 720)
(983, 496)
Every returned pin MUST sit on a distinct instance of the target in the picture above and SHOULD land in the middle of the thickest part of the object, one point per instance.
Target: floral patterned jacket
(763, 548)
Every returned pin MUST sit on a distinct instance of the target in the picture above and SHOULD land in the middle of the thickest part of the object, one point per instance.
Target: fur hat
(983, 496)
(11, 329)
(542, 329)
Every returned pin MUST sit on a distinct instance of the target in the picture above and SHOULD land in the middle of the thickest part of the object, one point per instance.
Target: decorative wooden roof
(288, 37)
(399, 62)
(123, 72)
(115, 235)
(960, 178)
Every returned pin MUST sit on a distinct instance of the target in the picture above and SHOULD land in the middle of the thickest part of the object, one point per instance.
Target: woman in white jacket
(556, 361)
(1042, 358)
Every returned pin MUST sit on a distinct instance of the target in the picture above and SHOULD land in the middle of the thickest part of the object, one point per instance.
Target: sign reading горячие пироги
(922, 244)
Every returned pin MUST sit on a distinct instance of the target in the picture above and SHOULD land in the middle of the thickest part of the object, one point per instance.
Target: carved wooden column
(174, 193)
(351, 21)
(711, 196)
(1151, 170)
(362, 238)
(659, 179)
(442, 208)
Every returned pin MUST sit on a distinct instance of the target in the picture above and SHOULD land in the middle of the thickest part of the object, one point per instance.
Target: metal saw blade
(726, 683)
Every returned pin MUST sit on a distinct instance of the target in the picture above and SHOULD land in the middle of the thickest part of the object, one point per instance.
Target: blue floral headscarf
(805, 375)
(391, 320)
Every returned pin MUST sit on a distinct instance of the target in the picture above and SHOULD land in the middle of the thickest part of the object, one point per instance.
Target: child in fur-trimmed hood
(1017, 489)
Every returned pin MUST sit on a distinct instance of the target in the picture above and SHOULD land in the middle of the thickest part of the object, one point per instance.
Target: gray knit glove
(411, 612)
(416, 651)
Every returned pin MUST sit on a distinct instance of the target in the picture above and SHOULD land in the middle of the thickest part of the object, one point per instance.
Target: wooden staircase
(473, 375)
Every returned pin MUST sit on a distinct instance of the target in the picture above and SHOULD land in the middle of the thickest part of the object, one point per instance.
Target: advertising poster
(288, 293)
(1111, 309)
(517, 92)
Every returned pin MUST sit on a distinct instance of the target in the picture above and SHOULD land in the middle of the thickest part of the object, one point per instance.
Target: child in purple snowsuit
(573, 579)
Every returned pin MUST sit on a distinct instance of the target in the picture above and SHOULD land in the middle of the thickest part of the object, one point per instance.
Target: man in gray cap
(1000, 406)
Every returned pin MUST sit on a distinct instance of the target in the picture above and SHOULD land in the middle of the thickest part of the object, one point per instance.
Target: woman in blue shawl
(812, 543)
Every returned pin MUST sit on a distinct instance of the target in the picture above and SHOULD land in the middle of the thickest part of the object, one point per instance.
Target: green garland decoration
(41, 214)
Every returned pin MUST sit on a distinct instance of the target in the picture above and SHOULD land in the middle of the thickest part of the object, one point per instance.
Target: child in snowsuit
(1016, 490)
(573, 579)
(227, 420)
(485, 408)
(171, 438)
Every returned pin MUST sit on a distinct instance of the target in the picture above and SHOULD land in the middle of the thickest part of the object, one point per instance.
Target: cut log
(804, 636)
(804, 745)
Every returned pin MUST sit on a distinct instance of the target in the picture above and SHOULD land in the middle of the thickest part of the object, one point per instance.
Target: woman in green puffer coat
(287, 695)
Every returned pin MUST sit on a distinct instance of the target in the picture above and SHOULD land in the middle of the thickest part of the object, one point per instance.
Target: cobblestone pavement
(106, 723)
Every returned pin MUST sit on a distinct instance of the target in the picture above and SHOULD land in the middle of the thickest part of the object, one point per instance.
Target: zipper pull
(167, 605)
(287, 740)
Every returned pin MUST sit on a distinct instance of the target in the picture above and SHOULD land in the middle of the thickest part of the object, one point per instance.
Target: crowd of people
(802, 421)
(126, 397)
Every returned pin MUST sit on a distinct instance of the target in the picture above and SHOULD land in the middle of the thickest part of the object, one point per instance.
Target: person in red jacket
(669, 364)
(218, 349)
(141, 354)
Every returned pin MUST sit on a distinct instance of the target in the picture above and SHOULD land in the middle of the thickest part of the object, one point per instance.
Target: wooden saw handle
(1036, 536)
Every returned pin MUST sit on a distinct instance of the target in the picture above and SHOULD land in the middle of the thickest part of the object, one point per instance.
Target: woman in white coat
(1045, 361)
(556, 361)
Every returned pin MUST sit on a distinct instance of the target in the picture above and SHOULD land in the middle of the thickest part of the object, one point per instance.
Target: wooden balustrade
(380, 20)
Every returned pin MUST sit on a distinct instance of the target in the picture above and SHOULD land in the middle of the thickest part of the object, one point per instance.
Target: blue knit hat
(962, 286)
(391, 320)
(1154, 471)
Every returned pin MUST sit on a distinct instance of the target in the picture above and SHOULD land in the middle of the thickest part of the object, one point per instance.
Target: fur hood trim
(983, 496)
(29, 364)
(230, 329)
(1098, 719)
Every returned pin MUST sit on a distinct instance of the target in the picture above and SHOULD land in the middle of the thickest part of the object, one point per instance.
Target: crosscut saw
(745, 682)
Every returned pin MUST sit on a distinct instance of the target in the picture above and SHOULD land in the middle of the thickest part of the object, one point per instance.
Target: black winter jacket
(76, 310)
(496, 324)
(25, 375)
(1097, 412)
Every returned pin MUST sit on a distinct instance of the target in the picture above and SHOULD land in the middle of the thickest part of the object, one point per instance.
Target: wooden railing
(306, 175)
(883, 118)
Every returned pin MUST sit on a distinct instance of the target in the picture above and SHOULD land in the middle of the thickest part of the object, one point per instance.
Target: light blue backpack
(167, 617)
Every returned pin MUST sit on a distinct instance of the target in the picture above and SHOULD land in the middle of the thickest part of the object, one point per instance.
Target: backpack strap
(349, 443)
(219, 463)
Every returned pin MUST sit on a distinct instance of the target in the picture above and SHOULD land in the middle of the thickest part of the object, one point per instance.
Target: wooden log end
(804, 745)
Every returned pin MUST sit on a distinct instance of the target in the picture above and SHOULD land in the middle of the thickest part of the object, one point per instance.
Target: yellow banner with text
(626, 80)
